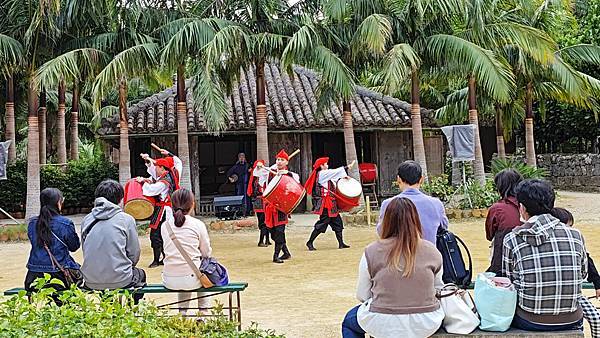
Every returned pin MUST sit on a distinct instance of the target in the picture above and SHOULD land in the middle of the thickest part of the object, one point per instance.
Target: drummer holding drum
(163, 181)
(321, 184)
(282, 194)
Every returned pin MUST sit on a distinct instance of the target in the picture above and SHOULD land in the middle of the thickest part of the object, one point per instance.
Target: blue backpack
(455, 270)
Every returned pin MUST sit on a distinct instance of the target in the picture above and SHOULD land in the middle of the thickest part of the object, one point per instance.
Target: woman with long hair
(397, 280)
(52, 238)
(191, 233)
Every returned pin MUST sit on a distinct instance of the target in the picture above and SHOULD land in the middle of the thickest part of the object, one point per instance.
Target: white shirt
(383, 325)
(263, 174)
(332, 175)
(194, 239)
(159, 188)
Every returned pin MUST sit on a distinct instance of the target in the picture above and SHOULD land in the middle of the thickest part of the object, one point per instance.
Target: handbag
(460, 314)
(72, 276)
(209, 267)
(496, 301)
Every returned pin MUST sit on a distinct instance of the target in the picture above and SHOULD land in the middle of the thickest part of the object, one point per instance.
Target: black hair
(536, 195)
(506, 181)
(183, 201)
(410, 172)
(49, 200)
(564, 215)
(111, 190)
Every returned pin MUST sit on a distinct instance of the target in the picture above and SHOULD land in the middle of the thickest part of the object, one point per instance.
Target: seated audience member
(52, 238)
(590, 313)
(110, 244)
(547, 263)
(397, 280)
(191, 233)
(430, 209)
(503, 215)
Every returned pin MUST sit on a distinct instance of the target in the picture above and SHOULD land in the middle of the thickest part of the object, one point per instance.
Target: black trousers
(278, 236)
(336, 223)
(156, 240)
(262, 227)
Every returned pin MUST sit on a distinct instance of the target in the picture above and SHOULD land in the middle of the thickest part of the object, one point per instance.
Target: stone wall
(577, 172)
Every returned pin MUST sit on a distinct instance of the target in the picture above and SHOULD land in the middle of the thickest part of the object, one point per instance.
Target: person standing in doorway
(238, 175)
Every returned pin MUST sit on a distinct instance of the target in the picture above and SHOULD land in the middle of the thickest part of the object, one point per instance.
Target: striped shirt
(546, 261)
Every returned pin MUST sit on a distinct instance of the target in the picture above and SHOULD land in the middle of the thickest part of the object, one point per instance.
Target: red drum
(368, 172)
(136, 204)
(347, 195)
(284, 193)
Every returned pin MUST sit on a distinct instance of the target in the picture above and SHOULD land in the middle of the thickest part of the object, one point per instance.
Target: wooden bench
(584, 286)
(228, 289)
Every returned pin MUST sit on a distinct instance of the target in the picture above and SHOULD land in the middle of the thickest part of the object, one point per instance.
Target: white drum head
(271, 185)
(349, 187)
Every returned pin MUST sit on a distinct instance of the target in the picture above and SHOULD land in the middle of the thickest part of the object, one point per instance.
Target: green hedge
(106, 315)
(77, 182)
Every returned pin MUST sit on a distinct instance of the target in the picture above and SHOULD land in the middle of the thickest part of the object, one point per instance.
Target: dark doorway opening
(332, 145)
(216, 156)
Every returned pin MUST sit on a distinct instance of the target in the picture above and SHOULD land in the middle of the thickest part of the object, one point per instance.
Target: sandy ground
(309, 295)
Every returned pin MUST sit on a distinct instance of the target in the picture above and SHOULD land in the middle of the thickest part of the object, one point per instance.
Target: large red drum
(368, 172)
(347, 194)
(284, 193)
(136, 204)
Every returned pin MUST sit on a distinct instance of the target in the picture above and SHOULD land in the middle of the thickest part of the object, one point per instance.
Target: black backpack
(455, 270)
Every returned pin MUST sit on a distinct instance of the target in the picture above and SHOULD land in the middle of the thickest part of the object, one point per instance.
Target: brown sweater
(394, 294)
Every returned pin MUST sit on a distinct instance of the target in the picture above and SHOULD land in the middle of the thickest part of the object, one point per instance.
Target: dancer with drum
(321, 185)
(163, 181)
(276, 219)
(254, 191)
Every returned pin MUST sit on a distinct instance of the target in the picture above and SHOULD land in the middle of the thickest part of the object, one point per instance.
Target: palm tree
(42, 126)
(60, 122)
(11, 55)
(136, 61)
(333, 46)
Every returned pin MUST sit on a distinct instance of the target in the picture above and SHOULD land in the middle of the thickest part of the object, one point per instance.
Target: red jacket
(502, 218)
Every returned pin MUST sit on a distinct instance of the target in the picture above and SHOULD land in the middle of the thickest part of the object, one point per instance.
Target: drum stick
(159, 149)
(296, 152)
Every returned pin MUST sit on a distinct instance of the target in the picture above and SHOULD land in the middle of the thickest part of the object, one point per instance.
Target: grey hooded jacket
(111, 248)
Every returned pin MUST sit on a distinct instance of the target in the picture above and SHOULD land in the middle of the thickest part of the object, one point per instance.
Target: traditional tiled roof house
(381, 125)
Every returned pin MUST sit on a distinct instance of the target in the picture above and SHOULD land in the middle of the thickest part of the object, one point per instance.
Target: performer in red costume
(163, 181)
(255, 190)
(321, 185)
(275, 219)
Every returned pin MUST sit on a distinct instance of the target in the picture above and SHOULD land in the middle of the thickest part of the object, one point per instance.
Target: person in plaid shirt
(546, 261)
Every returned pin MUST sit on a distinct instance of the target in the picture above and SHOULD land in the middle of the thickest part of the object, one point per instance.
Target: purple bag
(216, 272)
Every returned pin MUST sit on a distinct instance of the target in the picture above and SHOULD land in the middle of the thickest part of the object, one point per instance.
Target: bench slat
(159, 288)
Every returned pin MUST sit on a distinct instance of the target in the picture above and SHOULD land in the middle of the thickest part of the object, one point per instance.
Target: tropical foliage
(474, 61)
(108, 314)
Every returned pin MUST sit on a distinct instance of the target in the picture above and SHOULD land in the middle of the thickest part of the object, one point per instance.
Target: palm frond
(190, 39)
(209, 97)
(371, 36)
(581, 53)
(397, 67)
(11, 52)
(134, 61)
(77, 64)
(491, 74)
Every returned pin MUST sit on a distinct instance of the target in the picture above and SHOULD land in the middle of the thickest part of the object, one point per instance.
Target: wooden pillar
(195, 169)
(306, 159)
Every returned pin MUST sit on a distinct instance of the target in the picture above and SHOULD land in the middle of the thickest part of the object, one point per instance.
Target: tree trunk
(183, 148)
(60, 122)
(417, 129)
(75, 122)
(124, 156)
(529, 140)
(10, 119)
(262, 137)
(350, 145)
(478, 169)
(32, 207)
(500, 133)
(42, 126)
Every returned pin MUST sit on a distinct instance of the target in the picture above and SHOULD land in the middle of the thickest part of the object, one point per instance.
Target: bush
(110, 314)
(439, 187)
(77, 182)
(481, 196)
(514, 163)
